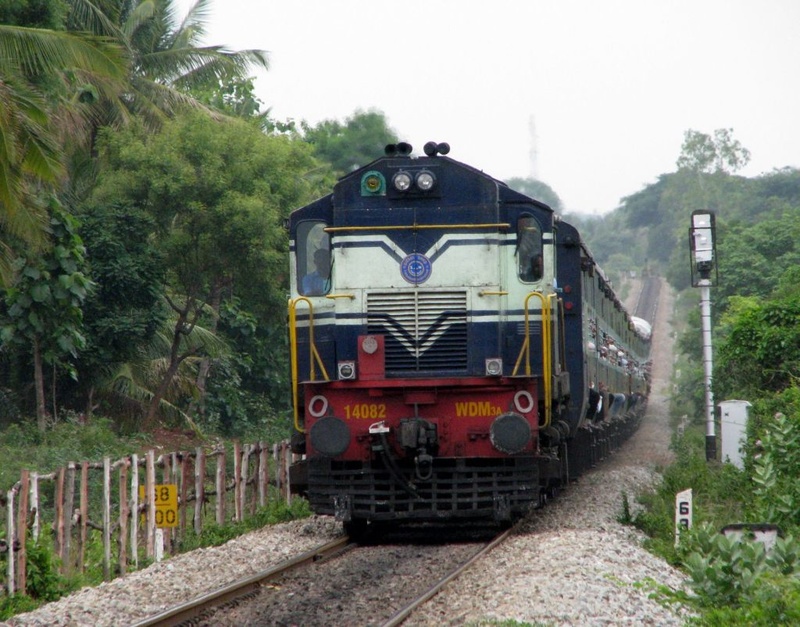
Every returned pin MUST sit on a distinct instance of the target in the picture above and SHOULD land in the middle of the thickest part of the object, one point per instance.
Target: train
(456, 352)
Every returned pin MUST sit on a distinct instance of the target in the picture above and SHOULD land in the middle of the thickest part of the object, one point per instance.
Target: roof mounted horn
(401, 149)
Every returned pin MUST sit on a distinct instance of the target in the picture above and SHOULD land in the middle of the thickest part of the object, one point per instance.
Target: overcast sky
(591, 96)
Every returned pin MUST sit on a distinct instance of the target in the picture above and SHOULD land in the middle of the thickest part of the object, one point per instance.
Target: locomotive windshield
(529, 249)
(313, 259)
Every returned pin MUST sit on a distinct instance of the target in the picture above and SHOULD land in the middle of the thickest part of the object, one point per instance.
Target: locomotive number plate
(365, 411)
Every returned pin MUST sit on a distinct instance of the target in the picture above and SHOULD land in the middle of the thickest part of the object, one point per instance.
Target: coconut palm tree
(167, 60)
(43, 74)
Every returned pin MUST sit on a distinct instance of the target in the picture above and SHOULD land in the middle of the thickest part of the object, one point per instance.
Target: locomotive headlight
(510, 433)
(346, 369)
(425, 180)
(330, 436)
(402, 181)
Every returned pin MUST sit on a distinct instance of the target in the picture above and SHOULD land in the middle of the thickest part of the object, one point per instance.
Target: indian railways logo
(416, 268)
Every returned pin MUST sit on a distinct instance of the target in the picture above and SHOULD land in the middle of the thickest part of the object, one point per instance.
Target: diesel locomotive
(456, 352)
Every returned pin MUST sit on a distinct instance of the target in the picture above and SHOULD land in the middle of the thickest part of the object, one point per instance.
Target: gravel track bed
(570, 564)
(365, 586)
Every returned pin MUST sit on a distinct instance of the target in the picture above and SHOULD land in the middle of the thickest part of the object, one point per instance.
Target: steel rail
(195, 608)
(403, 614)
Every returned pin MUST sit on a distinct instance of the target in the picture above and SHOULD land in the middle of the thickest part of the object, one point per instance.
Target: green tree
(126, 310)
(760, 351)
(49, 14)
(348, 145)
(721, 153)
(217, 193)
(44, 306)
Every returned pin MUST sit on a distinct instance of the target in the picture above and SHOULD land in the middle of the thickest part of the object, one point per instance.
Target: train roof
(392, 161)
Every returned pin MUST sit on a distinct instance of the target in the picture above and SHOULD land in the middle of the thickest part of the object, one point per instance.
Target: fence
(130, 511)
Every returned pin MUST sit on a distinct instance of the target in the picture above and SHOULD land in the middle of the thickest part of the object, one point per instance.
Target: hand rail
(313, 355)
(417, 227)
(547, 354)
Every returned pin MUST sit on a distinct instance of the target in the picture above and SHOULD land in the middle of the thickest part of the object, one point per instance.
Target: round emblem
(416, 268)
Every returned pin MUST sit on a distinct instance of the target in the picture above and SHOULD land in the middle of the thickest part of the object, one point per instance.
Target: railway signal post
(702, 247)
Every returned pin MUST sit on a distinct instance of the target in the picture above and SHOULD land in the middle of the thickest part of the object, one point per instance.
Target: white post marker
(159, 544)
(683, 513)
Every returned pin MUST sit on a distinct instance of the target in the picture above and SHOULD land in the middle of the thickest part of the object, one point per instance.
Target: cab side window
(314, 263)
(529, 250)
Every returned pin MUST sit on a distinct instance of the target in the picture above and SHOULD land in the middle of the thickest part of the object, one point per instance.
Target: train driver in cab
(318, 282)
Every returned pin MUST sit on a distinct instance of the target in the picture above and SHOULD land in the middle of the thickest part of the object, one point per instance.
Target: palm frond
(37, 51)
(193, 26)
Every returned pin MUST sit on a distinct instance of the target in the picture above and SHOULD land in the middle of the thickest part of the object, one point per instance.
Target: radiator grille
(424, 331)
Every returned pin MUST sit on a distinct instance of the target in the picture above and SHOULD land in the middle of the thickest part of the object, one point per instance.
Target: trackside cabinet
(733, 418)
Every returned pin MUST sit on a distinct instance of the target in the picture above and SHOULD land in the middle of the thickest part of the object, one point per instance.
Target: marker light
(373, 184)
(401, 181)
(347, 370)
(425, 180)
(494, 367)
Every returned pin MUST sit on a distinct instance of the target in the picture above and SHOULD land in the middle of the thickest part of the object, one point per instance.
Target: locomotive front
(423, 332)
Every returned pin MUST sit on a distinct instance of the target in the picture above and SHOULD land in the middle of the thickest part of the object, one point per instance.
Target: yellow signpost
(166, 504)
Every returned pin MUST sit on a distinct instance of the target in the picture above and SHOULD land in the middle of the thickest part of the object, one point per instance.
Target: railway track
(252, 600)
(647, 302)
(198, 609)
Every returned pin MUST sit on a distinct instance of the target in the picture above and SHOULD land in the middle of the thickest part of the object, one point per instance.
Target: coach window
(314, 263)
(529, 250)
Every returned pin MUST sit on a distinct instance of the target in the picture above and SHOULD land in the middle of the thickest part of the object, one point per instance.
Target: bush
(719, 492)
(739, 582)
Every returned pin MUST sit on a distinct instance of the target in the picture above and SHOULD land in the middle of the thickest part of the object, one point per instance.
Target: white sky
(611, 85)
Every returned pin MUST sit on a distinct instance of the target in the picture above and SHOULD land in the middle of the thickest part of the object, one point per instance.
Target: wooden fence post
(35, 507)
(150, 499)
(22, 531)
(199, 488)
(135, 510)
(11, 539)
(84, 514)
(287, 459)
(69, 504)
(59, 515)
(124, 512)
(243, 468)
(263, 474)
(174, 475)
(184, 494)
(106, 518)
(237, 476)
(278, 466)
(220, 486)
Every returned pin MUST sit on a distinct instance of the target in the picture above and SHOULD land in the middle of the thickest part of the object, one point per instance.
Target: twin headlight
(423, 181)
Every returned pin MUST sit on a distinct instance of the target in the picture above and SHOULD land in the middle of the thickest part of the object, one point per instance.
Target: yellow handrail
(313, 355)
(547, 354)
